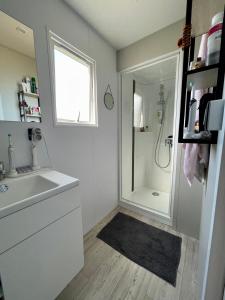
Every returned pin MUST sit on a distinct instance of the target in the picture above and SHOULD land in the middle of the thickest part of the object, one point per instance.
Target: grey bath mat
(154, 249)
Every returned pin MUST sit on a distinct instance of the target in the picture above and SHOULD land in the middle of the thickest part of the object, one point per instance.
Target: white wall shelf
(30, 94)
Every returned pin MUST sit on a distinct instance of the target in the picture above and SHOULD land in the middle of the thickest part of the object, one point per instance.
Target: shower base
(152, 200)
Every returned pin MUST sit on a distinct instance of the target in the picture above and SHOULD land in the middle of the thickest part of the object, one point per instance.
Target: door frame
(176, 154)
(133, 136)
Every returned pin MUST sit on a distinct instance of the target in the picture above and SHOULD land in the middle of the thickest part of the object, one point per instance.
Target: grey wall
(89, 154)
(154, 45)
(203, 11)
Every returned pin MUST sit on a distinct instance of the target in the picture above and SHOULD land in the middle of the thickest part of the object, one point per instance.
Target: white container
(214, 115)
(192, 115)
(214, 39)
(28, 84)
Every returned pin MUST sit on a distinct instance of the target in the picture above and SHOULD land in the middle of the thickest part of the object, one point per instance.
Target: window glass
(74, 84)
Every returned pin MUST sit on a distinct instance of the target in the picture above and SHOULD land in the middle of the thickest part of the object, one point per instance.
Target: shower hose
(157, 147)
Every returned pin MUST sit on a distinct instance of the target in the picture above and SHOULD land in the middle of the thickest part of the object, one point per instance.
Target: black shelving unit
(211, 76)
(1, 291)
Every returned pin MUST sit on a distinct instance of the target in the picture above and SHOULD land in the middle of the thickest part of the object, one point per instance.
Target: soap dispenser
(12, 158)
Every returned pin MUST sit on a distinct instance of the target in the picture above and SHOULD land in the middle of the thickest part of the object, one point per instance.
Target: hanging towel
(190, 161)
(196, 158)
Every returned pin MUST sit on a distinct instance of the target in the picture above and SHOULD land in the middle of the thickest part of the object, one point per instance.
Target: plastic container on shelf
(214, 39)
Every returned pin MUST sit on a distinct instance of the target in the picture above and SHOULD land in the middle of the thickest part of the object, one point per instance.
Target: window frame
(55, 40)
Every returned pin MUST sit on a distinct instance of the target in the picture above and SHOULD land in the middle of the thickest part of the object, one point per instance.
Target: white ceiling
(15, 35)
(123, 22)
(161, 71)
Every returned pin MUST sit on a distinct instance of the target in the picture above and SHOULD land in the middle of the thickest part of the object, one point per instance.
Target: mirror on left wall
(19, 93)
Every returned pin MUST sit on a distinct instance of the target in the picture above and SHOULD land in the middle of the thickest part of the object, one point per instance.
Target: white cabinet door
(41, 266)
(26, 222)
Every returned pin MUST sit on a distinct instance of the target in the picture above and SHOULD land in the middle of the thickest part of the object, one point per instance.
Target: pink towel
(190, 161)
(196, 156)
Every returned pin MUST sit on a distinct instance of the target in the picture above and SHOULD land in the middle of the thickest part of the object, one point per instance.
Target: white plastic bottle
(214, 39)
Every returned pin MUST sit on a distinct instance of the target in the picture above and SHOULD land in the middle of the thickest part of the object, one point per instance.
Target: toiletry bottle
(33, 85)
(192, 115)
(28, 82)
(214, 39)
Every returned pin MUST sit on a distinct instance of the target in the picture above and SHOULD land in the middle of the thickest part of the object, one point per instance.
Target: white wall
(189, 202)
(212, 237)
(154, 45)
(142, 158)
(89, 154)
(160, 179)
(14, 66)
(143, 140)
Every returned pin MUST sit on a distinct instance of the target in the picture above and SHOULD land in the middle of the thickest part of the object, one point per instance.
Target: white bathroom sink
(29, 189)
(26, 187)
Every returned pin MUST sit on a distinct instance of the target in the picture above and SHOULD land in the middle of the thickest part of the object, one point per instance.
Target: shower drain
(155, 194)
(3, 188)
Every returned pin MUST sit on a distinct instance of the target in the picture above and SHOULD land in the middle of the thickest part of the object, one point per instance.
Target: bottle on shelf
(33, 86)
(214, 39)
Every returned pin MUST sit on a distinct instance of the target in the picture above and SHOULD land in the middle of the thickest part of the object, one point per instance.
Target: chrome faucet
(2, 170)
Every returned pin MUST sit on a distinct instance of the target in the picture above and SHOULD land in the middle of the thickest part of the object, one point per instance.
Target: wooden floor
(109, 275)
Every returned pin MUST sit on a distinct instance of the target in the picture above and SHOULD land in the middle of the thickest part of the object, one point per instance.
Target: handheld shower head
(161, 94)
(162, 103)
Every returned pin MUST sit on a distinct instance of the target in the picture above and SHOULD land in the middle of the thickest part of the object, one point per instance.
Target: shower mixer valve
(169, 140)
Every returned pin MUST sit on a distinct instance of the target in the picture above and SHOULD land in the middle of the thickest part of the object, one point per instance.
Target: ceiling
(15, 35)
(123, 22)
(159, 72)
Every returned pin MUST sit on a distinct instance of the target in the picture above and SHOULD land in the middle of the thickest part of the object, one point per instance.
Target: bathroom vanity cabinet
(41, 247)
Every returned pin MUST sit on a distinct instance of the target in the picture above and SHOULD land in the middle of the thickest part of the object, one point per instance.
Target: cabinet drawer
(40, 267)
(24, 223)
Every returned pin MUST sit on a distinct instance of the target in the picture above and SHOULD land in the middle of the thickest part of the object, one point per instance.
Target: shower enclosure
(148, 122)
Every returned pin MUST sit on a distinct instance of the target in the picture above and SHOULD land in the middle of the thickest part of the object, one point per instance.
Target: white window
(74, 84)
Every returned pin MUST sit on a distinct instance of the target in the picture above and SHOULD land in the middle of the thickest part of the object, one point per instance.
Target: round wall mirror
(109, 101)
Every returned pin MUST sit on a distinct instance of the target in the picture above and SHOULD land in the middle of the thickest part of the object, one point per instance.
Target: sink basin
(27, 190)
(26, 187)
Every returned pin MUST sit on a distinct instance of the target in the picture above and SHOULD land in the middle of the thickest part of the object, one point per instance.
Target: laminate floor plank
(108, 275)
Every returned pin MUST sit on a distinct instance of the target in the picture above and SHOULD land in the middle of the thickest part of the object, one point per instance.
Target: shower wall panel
(147, 173)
